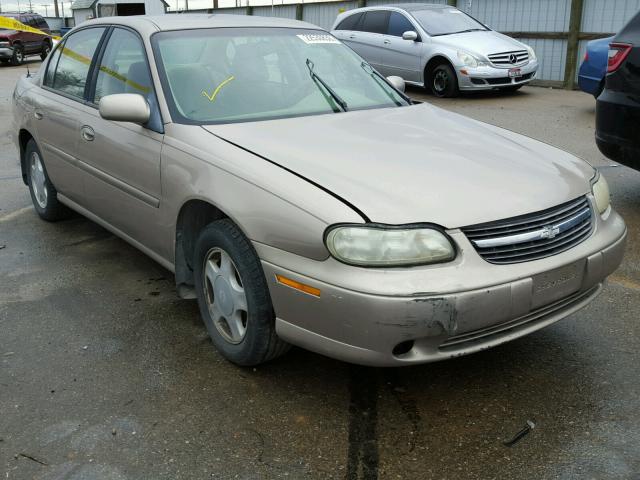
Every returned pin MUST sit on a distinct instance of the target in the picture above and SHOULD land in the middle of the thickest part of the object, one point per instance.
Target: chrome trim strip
(540, 234)
(60, 153)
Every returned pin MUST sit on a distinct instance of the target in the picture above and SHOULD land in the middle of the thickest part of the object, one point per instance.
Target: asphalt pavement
(106, 374)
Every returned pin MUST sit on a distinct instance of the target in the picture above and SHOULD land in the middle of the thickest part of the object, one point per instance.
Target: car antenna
(28, 72)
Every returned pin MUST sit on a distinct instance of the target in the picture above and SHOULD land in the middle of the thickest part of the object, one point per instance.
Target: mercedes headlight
(600, 189)
(532, 53)
(388, 246)
(468, 60)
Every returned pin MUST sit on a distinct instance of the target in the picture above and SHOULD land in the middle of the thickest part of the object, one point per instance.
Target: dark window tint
(71, 72)
(28, 20)
(398, 24)
(350, 23)
(375, 22)
(41, 23)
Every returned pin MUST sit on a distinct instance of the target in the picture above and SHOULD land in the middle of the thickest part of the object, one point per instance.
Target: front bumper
(489, 77)
(6, 53)
(423, 314)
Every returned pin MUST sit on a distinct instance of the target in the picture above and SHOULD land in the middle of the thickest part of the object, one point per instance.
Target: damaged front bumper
(365, 316)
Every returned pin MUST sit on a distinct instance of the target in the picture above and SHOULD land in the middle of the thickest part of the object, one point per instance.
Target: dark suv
(15, 45)
(618, 107)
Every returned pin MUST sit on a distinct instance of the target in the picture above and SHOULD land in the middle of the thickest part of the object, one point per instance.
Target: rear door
(57, 106)
(31, 41)
(401, 57)
(347, 29)
(367, 40)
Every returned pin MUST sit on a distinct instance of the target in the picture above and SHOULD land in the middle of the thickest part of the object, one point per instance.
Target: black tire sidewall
(17, 59)
(46, 49)
(452, 87)
(254, 347)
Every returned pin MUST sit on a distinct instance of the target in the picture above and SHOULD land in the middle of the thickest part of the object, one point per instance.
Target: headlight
(387, 246)
(468, 59)
(532, 53)
(600, 189)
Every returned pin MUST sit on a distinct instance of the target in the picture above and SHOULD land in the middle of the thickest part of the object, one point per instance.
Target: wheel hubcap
(38, 181)
(225, 296)
(440, 81)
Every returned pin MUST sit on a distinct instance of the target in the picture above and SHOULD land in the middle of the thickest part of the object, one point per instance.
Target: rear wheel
(43, 194)
(444, 82)
(18, 55)
(46, 49)
(233, 296)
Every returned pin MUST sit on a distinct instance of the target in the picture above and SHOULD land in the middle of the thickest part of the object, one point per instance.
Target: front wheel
(18, 56)
(444, 82)
(233, 296)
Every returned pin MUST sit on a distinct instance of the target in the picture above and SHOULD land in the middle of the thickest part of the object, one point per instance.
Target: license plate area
(557, 284)
(515, 73)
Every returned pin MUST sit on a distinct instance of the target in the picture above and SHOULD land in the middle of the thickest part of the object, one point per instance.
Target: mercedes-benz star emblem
(513, 59)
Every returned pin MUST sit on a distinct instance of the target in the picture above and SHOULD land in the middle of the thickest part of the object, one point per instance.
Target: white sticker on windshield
(311, 38)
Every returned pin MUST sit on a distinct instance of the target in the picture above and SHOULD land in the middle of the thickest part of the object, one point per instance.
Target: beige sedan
(302, 198)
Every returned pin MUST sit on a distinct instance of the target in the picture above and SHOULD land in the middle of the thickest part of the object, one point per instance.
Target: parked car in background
(438, 47)
(304, 200)
(15, 45)
(594, 66)
(618, 107)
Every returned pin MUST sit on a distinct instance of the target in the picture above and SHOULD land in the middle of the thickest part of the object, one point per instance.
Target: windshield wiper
(377, 77)
(461, 31)
(317, 79)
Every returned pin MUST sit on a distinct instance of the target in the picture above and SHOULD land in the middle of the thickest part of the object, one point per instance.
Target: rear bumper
(488, 78)
(426, 322)
(617, 120)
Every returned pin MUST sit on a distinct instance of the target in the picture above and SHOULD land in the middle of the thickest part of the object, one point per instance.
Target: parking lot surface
(106, 374)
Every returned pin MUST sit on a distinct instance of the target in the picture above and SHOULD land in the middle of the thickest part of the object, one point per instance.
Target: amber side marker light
(298, 286)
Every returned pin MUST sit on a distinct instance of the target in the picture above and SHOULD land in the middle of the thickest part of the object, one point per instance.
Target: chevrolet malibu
(302, 198)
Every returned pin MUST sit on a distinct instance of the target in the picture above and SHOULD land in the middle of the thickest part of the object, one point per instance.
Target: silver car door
(347, 29)
(57, 106)
(401, 57)
(122, 159)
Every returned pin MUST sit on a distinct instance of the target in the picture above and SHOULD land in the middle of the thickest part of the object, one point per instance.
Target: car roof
(189, 21)
(419, 6)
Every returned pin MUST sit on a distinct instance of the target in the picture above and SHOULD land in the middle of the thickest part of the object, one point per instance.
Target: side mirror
(124, 107)
(397, 82)
(410, 35)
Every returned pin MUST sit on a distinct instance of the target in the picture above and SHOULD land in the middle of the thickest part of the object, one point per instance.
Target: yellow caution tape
(13, 24)
(212, 97)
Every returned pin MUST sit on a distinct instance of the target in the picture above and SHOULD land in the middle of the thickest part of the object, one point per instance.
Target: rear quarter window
(350, 23)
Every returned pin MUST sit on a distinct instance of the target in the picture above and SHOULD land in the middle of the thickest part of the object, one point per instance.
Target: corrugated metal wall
(599, 16)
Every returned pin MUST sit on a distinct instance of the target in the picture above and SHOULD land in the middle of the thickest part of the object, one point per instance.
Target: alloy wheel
(225, 296)
(440, 81)
(38, 180)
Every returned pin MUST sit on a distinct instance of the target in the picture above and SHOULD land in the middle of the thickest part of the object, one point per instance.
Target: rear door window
(375, 21)
(398, 24)
(70, 75)
(351, 22)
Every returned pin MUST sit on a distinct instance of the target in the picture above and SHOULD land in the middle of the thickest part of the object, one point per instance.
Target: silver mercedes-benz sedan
(302, 198)
(436, 46)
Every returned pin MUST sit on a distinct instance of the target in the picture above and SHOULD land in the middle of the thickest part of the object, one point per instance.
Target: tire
(226, 269)
(46, 49)
(444, 82)
(18, 56)
(43, 194)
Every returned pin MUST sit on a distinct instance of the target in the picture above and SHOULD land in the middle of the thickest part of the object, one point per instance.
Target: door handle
(87, 133)
(387, 42)
(352, 36)
(38, 115)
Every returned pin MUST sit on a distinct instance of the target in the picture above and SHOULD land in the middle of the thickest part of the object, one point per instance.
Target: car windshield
(446, 21)
(229, 75)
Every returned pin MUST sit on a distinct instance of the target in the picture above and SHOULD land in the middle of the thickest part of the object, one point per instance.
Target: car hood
(418, 164)
(483, 43)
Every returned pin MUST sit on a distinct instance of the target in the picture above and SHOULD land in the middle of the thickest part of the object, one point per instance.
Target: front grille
(509, 59)
(495, 332)
(533, 236)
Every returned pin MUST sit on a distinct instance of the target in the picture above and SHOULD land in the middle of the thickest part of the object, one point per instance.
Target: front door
(121, 160)
(401, 57)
